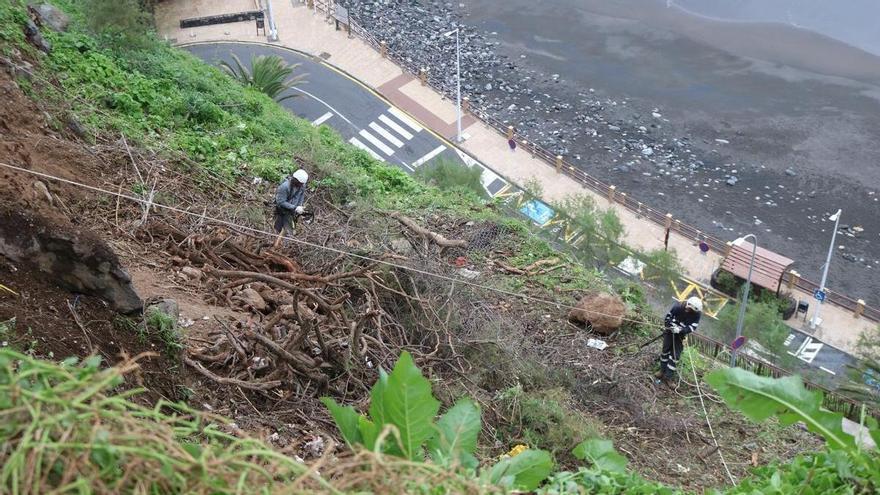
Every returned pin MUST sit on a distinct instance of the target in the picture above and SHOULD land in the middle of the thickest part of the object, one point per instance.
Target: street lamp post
(458, 81)
(745, 298)
(816, 320)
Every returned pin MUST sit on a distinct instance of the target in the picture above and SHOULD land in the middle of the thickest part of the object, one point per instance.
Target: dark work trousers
(672, 346)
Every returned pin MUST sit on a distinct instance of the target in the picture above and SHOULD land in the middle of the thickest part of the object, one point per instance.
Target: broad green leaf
(456, 438)
(377, 399)
(346, 419)
(409, 405)
(760, 397)
(369, 432)
(601, 453)
(523, 472)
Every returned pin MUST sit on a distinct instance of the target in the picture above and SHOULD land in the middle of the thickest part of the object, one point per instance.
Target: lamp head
(834, 217)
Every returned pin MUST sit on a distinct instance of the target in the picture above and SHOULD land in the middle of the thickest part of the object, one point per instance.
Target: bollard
(860, 308)
(510, 132)
(558, 163)
(383, 49)
(611, 190)
(727, 247)
(623, 198)
(465, 105)
(668, 220)
(793, 278)
(423, 76)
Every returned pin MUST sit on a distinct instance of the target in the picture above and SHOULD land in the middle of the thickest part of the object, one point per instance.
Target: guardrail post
(383, 49)
(623, 198)
(698, 239)
(793, 278)
(639, 210)
(727, 247)
(669, 220)
(510, 132)
(558, 163)
(423, 76)
(677, 225)
(860, 308)
(611, 190)
(465, 105)
(311, 4)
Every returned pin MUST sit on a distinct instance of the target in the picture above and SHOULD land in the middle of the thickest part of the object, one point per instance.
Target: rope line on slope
(153, 204)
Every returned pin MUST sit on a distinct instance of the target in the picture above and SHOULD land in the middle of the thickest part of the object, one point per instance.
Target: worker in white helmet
(682, 319)
(289, 199)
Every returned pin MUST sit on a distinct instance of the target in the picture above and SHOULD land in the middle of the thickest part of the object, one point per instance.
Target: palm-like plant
(269, 74)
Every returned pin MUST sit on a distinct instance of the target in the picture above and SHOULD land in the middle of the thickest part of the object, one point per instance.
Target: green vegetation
(66, 427)
(269, 74)
(401, 423)
(447, 175)
(762, 323)
(544, 418)
(165, 328)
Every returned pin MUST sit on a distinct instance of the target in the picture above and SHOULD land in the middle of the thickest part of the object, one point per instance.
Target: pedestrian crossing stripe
(376, 142)
(405, 119)
(421, 161)
(385, 134)
(323, 118)
(395, 127)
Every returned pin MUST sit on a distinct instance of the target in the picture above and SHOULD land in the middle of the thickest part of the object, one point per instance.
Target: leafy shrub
(762, 323)
(447, 174)
(401, 423)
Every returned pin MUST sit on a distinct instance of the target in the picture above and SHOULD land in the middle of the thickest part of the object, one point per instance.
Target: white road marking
(375, 141)
(326, 105)
(323, 118)
(385, 134)
(357, 142)
(827, 370)
(432, 154)
(405, 119)
(808, 350)
(393, 125)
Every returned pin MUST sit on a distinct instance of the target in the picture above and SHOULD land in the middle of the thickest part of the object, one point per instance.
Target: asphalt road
(366, 120)
(328, 97)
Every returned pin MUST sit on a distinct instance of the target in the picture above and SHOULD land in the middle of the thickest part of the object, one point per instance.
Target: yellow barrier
(713, 301)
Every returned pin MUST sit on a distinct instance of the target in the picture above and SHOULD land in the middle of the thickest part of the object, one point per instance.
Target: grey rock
(32, 33)
(251, 298)
(732, 181)
(402, 246)
(790, 171)
(167, 307)
(52, 17)
(192, 273)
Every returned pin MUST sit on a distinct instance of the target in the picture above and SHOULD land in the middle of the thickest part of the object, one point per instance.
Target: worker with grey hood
(289, 199)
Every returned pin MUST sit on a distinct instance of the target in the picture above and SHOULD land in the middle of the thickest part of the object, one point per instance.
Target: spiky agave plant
(269, 74)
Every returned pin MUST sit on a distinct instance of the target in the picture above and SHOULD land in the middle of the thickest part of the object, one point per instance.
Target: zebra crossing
(386, 134)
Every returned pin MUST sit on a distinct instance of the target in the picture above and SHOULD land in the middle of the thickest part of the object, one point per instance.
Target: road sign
(704, 248)
(738, 342)
(820, 295)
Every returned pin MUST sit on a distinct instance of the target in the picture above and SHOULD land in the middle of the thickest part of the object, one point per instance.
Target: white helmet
(301, 175)
(694, 303)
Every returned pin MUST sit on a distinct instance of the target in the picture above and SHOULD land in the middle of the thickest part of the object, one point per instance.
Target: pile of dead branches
(310, 332)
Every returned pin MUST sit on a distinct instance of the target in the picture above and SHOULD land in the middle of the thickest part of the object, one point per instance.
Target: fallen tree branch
(230, 381)
(427, 234)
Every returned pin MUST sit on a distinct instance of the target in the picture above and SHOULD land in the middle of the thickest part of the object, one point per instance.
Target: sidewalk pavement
(307, 31)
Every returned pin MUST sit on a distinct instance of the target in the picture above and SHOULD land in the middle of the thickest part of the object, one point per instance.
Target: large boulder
(52, 16)
(72, 258)
(603, 312)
